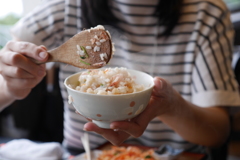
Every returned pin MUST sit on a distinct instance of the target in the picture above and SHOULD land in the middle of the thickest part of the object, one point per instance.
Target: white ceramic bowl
(104, 109)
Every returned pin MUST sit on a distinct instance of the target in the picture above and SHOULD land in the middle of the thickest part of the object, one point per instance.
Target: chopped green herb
(148, 156)
(84, 51)
(116, 153)
(85, 62)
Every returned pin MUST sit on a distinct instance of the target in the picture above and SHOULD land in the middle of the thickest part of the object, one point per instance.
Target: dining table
(181, 156)
(75, 152)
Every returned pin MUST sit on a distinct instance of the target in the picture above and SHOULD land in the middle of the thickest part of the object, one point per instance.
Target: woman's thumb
(160, 85)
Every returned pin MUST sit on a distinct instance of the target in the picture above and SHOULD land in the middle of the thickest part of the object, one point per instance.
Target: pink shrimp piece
(116, 80)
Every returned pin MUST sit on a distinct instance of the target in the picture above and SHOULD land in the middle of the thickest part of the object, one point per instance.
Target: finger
(19, 94)
(20, 61)
(161, 85)
(29, 50)
(137, 125)
(115, 137)
(18, 83)
(15, 72)
(132, 128)
(164, 96)
(158, 85)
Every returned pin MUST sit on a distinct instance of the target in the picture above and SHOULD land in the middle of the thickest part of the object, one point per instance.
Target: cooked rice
(88, 47)
(103, 40)
(103, 55)
(98, 43)
(110, 81)
(96, 49)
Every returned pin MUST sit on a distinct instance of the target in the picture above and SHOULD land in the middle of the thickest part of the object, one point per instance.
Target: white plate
(83, 156)
(96, 153)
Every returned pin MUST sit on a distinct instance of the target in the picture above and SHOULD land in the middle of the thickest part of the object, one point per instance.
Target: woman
(186, 45)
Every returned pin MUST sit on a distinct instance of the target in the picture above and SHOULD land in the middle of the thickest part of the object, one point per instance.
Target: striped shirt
(195, 59)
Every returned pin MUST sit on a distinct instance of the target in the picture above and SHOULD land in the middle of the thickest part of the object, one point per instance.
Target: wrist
(6, 97)
(175, 106)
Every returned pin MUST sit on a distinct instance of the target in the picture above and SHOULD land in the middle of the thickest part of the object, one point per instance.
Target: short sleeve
(43, 25)
(213, 78)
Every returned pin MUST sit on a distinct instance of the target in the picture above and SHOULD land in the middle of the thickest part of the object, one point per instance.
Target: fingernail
(84, 128)
(161, 84)
(113, 127)
(43, 55)
(43, 47)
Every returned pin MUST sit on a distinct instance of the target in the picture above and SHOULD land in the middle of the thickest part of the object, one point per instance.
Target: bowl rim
(117, 95)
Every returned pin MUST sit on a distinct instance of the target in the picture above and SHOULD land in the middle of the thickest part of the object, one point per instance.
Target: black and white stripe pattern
(196, 58)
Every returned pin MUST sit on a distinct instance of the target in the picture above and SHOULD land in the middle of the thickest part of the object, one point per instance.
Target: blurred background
(10, 14)
(39, 117)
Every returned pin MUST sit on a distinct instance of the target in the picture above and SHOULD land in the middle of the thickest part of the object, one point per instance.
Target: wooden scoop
(88, 49)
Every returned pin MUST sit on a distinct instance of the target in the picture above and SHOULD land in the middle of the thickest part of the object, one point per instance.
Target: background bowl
(104, 109)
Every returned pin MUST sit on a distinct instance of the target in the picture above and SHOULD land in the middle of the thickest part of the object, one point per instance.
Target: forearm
(5, 98)
(205, 126)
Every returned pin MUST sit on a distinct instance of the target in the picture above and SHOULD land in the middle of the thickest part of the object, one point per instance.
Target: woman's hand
(159, 104)
(19, 74)
(207, 126)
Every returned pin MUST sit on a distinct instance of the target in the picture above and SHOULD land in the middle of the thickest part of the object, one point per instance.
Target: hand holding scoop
(89, 49)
